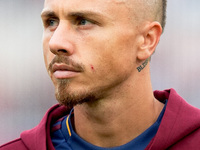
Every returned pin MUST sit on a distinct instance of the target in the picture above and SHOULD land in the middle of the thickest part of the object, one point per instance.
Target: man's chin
(68, 96)
(71, 100)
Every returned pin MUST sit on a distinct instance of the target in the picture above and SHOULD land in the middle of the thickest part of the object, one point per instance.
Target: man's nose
(61, 41)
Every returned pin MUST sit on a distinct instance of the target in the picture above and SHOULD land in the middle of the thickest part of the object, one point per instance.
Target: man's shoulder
(180, 126)
(191, 141)
(15, 144)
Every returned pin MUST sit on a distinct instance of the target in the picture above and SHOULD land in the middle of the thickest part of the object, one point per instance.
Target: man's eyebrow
(80, 13)
(84, 14)
(48, 13)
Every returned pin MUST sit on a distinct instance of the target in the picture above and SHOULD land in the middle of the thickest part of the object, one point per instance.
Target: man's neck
(114, 125)
(119, 118)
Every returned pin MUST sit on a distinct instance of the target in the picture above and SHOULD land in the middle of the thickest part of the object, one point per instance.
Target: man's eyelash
(78, 19)
(47, 22)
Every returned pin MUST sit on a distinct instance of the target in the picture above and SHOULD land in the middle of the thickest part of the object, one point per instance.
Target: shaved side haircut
(164, 11)
(151, 10)
(159, 9)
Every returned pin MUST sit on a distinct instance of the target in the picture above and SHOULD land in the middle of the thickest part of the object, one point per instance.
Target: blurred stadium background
(26, 91)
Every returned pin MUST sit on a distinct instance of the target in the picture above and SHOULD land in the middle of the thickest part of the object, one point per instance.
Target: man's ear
(150, 37)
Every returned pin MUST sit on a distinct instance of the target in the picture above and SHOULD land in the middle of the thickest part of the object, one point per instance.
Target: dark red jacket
(179, 128)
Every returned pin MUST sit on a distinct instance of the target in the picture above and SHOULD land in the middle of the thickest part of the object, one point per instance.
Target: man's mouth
(63, 71)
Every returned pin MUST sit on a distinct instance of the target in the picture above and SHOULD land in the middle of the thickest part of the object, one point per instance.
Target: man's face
(89, 47)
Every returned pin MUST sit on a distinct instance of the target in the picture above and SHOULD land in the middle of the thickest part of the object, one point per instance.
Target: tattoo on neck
(141, 67)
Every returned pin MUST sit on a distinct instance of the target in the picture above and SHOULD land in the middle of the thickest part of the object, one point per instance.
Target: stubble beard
(72, 98)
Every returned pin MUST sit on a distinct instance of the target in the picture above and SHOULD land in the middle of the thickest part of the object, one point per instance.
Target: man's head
(92, 48)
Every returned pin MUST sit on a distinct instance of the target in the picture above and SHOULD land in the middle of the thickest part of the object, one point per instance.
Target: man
(97, 54)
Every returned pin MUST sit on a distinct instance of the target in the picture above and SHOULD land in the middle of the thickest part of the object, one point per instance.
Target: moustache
(67, 61)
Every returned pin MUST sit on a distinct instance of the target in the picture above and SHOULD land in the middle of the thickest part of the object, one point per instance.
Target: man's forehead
(133, 4)
(149, 2)
(91, 1)
(118, 1)
(138, 10)
(101, 5)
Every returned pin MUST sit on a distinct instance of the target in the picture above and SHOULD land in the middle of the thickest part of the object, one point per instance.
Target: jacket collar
(179, 120)
(40, 135)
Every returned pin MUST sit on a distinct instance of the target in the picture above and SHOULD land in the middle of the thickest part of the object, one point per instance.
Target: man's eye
(52, 22)
(83, 21)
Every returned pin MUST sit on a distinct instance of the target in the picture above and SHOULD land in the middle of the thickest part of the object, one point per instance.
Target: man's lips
(63, 71)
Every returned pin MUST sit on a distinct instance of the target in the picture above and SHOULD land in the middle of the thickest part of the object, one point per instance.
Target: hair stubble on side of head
(163, 7)
(153, 10)
(160, 11)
